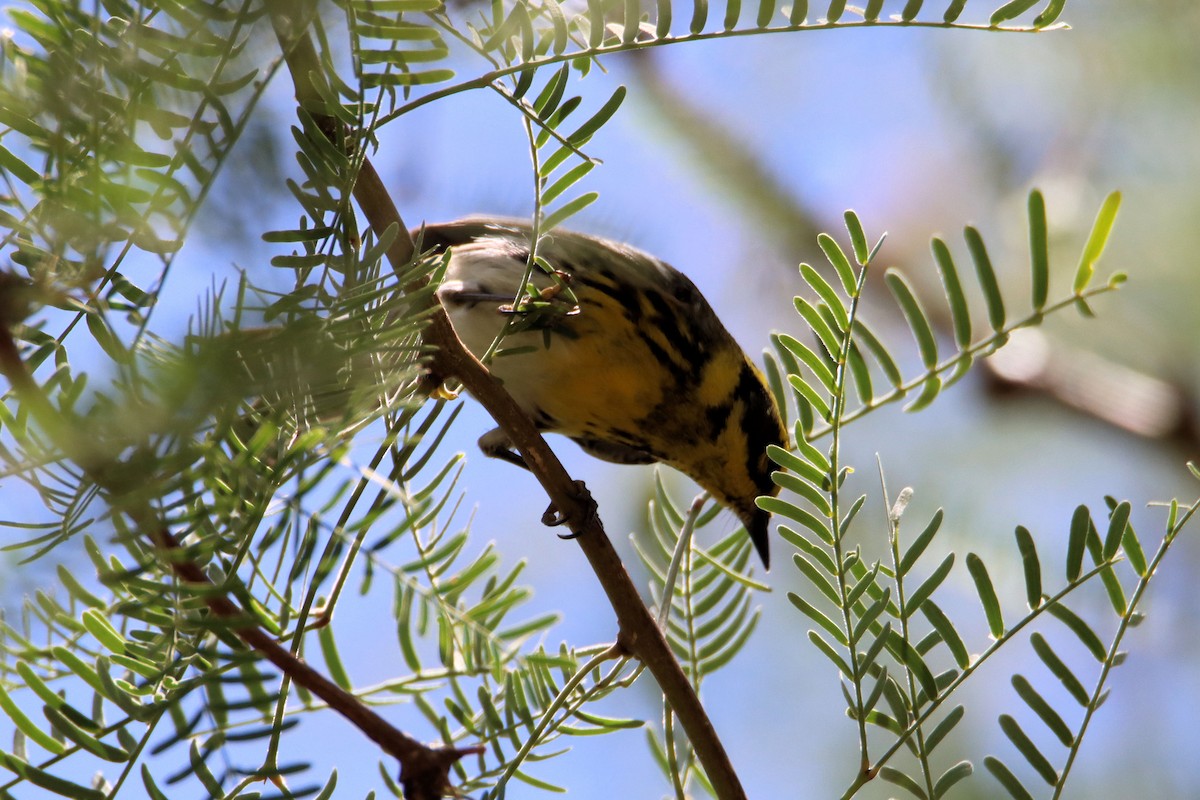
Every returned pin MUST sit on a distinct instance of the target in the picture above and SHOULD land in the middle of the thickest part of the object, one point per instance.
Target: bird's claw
(552, 517)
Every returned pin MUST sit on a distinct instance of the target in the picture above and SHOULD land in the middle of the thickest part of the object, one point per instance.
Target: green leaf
(333, 660)
(987, 594)
(1080, 628)
(567, 210)
(631, 21)
(1011, 9)
(944, 726)
(830, 653)
(1033, 567)
(987, 278)
(861, 374)
(1027, 748)
(17, 168)
(203, 773)
(71, 661)
(1133, 552)
(882, 356)
(799, 12)
(815, 553)
(945, 629)
(1081, 520)
(1049, 14)
(818, 403)
(1112, 583)
(566, 181)
(151, 787)
(837, 258)
(950, 777)
(811, 360)
(1060, 670)
(836, 9)
(773, 374)
(663, 26)
(871, 12)
(373, 80)
(1116, 530)
(774, 505)
(796, 484)
(907, 655)
(953, 10)
(831, 340)
(585, 131)
(909, 559)
(869, 617)
(917, 321)
(895, 776)
(960, 313)
(766, 12)
(551, 95)
(858, 242)
(98, 626)
(1096, 241)
(816, 577)
(911, 9)
(790, 461)
(63, 724)
(1006, 778)
(827, 294)
(1043, 709)
(1039, 250)
(819, 617)
(929, 585)
(28, 726)
(76, 589)
(733, 10)
(699, 16)
(52, 783)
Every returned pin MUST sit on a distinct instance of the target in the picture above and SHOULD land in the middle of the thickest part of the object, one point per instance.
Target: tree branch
(425, 770)
(638, 631)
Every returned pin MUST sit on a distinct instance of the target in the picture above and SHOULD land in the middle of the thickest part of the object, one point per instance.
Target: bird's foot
(552, 517)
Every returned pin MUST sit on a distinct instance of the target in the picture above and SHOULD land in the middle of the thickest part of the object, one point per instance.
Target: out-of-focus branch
(1087, 382)
(639, 634)
(753, 192)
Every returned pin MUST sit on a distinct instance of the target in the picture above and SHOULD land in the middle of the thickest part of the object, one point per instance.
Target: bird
(615, 349)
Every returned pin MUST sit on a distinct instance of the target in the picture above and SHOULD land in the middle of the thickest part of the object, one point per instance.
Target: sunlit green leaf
(1060, 670)
(952, 776)
(1027, 748)
(1011, 9)
(987, 278)
(901, 779)
(1032, 566)
(1042, 708)
(1006, 779)
(1077, 541)
(917, 320)
(1097, 239)
(987, 594)
(945, 628)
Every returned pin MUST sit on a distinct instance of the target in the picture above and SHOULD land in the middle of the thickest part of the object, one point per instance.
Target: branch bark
(425, 770)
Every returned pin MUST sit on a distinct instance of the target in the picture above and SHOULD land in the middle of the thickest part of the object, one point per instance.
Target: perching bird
(635, 367)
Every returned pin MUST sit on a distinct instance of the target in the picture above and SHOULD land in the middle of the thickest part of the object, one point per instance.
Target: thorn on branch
(425, 775)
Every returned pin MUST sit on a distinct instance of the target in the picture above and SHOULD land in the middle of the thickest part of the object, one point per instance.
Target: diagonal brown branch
(424, 770)
(639, 633)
